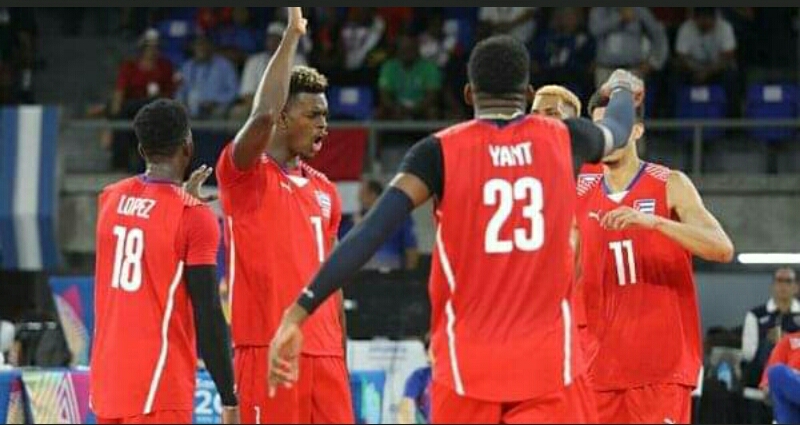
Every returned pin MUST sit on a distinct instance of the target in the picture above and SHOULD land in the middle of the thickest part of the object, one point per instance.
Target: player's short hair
(307, 80)
(564, 94)
(161, 127)
(498, 66)
(375, 187)
(598, 100)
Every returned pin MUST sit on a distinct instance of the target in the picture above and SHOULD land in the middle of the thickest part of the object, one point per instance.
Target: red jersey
(144, 356)
(640, 296)
(501, 278)
(787, 352)
(279, 230)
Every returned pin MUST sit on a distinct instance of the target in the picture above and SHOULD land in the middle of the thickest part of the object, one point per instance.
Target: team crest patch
(645, 206)
(325, 203)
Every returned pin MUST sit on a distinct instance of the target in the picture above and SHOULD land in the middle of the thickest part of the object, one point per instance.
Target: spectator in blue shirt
(400, 251)
(564, 53)
(209, 84)
(236, 40)
(415, 407)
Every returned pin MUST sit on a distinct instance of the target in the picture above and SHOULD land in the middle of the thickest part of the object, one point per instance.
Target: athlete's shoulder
(589, 179)
(660, 172)
(316, 175)
(187, 199)
(455, 130)
(121, 185)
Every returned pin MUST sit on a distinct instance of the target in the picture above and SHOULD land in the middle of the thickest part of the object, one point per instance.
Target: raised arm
(270, 97)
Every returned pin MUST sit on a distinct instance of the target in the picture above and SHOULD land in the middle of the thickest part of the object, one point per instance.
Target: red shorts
(657, 404)
(171, 417)
(321, 396)
(574, 404)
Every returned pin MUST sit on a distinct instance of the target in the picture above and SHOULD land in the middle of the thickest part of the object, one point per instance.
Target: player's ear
(141, 152)
(638, 131)
(468, 95)
(530, 94)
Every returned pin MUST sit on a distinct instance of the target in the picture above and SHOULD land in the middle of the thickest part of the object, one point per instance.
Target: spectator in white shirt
(519, 22)
(706, 48)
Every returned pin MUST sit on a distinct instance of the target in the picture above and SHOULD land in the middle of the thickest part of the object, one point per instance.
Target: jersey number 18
(128, 259)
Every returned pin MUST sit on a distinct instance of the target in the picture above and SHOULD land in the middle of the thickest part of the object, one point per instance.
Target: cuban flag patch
(645, 206)
(325, 203)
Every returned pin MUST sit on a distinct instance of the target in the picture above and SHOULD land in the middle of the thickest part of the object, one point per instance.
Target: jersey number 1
(504, 195)
(624, 251)
(128, 259)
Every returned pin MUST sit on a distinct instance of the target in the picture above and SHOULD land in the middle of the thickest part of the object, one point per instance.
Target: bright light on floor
(773, 259)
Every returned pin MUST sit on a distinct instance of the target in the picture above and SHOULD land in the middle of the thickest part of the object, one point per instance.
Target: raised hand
(624, 79)
(297, 22)
(196, 182)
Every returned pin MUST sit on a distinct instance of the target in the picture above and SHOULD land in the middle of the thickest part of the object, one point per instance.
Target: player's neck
(620, 175)
(279, 152)
(163, 172)
(499, 109)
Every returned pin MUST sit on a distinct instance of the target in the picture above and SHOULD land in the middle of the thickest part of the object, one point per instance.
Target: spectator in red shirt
(139, 81)
(143, 79)
(782, 379)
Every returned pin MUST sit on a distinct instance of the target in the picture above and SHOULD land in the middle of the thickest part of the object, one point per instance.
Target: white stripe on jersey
(231, 266)
(565, 310)
(162, 357)
(451, 313)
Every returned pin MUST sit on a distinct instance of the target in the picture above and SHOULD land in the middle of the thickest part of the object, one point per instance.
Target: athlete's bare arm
(697, 229)
(271, 96)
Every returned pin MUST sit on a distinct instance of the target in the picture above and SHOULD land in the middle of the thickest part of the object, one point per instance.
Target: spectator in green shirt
(410, 85)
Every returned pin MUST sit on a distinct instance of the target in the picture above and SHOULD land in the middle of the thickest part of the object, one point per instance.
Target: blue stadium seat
(702, 102)
(176, 34)
(355, 103)
(779, 101)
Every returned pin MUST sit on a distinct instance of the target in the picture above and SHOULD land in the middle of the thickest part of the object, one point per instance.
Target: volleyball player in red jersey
(282, 218)
(503, 338)
(640, 224)
(155, 283)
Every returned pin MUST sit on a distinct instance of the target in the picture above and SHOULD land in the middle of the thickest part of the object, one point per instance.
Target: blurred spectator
(564, 53)
(139, 81)
(142, 79)
(18, 37)
(209, 84)
(415, 406)
(439, 43)
(706, 49)
(235, 39)
(410, 85)
(257, 64)
(519, 22)
(328, 56)
(6, 341)
(400, 251)
(361, 36)
(627, 37)
(398, 20)
(782, 380)
(763, 328)
(438, 39)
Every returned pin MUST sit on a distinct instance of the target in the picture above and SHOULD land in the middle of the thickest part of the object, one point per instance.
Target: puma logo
(286, 186)
(595, 215)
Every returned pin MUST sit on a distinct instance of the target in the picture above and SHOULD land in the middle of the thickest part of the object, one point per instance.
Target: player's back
(639, 289)
(502, 275)
(144, 354)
